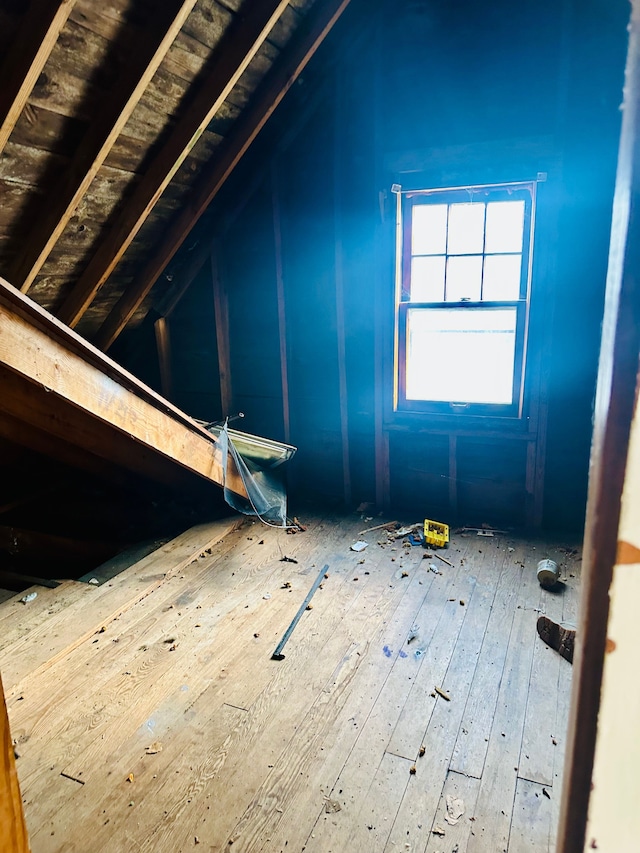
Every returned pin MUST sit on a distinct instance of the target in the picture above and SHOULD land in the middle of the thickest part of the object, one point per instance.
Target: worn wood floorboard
(414, 821)
(314, 752)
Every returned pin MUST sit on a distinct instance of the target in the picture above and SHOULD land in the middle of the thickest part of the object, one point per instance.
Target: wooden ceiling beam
(186, 274)
(55, 381)
(251, 121)
(60, 204)
(234, 53)
(25, 60)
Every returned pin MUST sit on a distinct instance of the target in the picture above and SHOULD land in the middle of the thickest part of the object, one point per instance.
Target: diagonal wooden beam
(270, 93)
(202, 252)
(236, 50)
(60, 204)
(56, 382)
(31, 48)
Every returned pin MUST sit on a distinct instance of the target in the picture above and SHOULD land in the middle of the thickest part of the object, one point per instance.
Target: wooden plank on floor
(17, 618)
(370, 828)
(377, 659)
(32, 654)
(127, 686)
(471, 747)
(537, 753)
(345, 656)
(435, 650)
(531, 821)
(498, 782)
(242, 747)
(153, 776)
(413, 824)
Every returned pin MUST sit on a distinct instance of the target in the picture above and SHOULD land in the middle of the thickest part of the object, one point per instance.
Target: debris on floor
(29, 597)
(455, 809)
(444, 560)
(286, 559)
(442, 693)
(405, 531)
(331, 806)
(360, 545)
(438, 830)
(389, 525)
(154, 748)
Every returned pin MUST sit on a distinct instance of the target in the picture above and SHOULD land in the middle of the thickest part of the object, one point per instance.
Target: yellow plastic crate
(436, 533)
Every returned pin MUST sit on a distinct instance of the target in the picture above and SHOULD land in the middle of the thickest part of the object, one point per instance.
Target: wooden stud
(282, 317)
(13, 829)
(380, 308)
(60, 204)
(453, 475)
(339, 115)
(221, 310)
(30, 50)
(236, 50)
(163, 344)
(270, 93)
(616, 394)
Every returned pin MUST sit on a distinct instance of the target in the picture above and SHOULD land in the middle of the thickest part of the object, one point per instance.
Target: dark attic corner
(319, 326)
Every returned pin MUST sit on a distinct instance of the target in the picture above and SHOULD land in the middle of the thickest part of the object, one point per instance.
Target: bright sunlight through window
(463, 299)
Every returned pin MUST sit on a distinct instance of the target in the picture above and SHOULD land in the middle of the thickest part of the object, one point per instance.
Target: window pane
(464, 276)
(427, 279)
(429, 229)
(460, 355)
(501, 277)
(466, 228)
(505, 226)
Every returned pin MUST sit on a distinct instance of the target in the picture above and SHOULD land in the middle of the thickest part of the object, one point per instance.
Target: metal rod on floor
(277, 654)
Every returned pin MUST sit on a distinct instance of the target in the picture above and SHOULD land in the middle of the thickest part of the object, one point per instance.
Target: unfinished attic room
(319, 467)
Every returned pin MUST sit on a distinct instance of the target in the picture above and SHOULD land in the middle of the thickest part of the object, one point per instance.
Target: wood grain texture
(236, 51)
(13, 830)
(46, 366)
(27, 57)
(264, 101)
(277, 755)
(60, 204)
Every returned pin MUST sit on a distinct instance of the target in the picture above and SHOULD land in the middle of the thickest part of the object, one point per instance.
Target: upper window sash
(465, 245)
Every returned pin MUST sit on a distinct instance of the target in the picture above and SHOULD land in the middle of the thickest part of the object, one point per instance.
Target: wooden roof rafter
(233, 54)
(35, 40)
(61, 202)
(262, 105)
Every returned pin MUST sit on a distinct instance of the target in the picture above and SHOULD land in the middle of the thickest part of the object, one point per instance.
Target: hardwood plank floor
(149, 716)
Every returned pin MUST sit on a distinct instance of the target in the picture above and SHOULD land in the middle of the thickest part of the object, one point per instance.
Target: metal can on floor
(548, 573)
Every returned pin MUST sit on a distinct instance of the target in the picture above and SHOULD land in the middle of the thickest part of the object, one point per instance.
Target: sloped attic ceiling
(119, 123)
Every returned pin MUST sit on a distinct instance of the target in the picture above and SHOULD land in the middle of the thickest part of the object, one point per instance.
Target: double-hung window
(462, 301)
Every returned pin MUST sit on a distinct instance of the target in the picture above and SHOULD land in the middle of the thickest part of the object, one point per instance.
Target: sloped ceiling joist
(265, 100)
(39, 32)
(119, 123)
(64, 197)
(233, 56)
